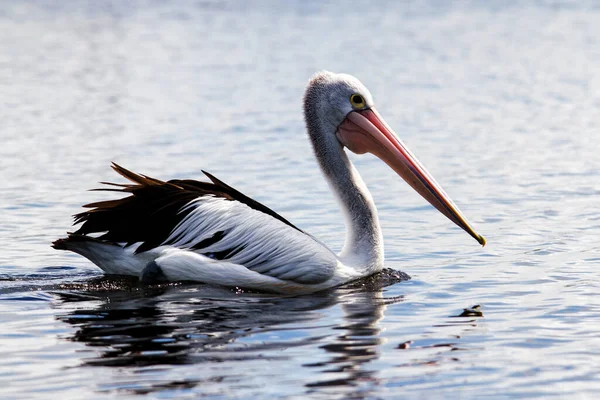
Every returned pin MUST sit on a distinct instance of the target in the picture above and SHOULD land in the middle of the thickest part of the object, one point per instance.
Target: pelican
(186, 230)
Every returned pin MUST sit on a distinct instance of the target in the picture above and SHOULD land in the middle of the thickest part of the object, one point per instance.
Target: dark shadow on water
(128, 325)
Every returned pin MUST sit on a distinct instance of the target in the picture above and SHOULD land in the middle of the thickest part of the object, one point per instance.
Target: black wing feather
(153, 208)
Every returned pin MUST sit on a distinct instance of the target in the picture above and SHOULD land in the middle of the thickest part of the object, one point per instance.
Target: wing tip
(214, 179)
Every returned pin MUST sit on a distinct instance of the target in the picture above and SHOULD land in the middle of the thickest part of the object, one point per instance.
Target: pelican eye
(357, 101)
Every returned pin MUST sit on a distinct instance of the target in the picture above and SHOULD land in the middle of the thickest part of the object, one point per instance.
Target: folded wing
(210, 218)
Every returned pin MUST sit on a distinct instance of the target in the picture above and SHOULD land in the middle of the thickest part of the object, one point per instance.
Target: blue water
(500, 100)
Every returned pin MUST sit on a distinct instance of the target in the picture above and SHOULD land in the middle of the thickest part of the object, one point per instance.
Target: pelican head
(340, 112)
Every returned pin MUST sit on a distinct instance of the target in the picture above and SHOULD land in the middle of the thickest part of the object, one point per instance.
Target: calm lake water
(500, 100)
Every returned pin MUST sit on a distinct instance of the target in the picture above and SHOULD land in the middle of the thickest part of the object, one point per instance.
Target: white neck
(363, 248)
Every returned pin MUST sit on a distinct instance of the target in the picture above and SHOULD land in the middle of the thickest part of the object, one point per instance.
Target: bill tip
(481, 240)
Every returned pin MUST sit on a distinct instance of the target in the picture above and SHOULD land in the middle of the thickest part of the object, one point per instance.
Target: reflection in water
(143, 327)
(358, 342)
(177, 325)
